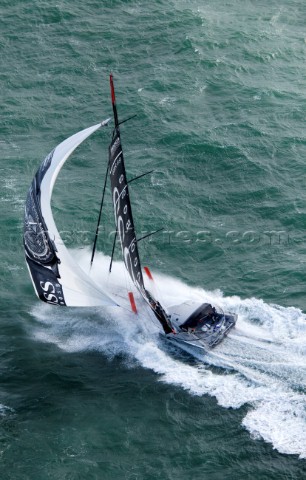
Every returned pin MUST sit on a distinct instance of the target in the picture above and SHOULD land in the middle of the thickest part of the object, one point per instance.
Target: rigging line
(139, 176)
(99, 218)
(113, 250)
(115, 237)
(149, 234)
(127, 119)
(130, 181)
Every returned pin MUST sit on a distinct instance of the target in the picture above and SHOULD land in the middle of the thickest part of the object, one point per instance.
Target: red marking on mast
(147, 270)
(112, 89)
(132, 302)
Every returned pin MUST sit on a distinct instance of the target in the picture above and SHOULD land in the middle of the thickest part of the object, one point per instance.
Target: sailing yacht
(59, 280)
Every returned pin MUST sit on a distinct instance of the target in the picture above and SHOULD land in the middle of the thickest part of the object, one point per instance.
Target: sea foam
(263, 358)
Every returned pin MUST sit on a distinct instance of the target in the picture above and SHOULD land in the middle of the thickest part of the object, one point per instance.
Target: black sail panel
(40, 252)
(123, 211)
(124, 219)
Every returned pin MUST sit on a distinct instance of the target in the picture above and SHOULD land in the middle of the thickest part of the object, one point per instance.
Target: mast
(114, 101)
(124, 219)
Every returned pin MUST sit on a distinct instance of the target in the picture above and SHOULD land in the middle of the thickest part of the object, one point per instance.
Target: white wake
(263, 359)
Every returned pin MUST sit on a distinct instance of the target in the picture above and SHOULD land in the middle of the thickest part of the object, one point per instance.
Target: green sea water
(218, 88)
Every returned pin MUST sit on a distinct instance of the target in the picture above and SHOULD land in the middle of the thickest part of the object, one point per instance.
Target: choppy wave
(263, 360)
(4, 410)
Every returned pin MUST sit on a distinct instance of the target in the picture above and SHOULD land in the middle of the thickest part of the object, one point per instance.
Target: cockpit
(204, 316)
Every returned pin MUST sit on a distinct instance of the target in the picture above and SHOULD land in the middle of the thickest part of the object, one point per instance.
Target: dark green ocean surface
(219, 92)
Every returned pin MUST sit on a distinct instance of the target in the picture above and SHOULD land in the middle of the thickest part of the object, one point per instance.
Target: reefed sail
(56, 277)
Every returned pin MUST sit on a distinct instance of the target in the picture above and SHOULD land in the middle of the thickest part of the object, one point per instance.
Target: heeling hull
(200, 343)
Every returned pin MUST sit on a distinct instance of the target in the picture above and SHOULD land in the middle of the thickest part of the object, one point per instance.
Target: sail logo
(50, 294)
(124, 229)
(116, 162)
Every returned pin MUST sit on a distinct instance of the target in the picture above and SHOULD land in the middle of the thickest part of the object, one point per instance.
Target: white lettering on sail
(115, 163)
(120, 228)
(116, 201)
(122, 211)
(115, 144)
(49, 292)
